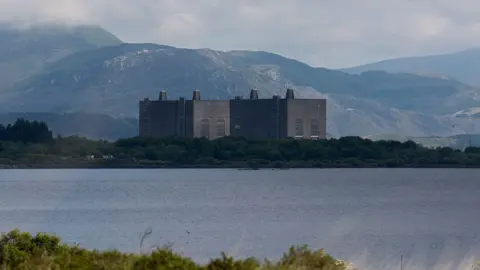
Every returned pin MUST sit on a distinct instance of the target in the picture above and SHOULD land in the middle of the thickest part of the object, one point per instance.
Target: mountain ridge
(24, 51)
(463, 65)
(112, 79)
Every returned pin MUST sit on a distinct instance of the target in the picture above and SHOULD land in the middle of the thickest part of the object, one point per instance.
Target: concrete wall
(144, 118)
(189, 118)
(211, 118)
(162, 118)
(158, 118)
(252, 118)
(257, 118)
(305, 114)
(182, 115)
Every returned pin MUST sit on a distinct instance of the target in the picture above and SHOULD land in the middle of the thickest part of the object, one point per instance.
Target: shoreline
(238, 166)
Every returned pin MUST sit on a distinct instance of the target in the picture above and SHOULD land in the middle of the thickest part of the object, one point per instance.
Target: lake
(369, 216)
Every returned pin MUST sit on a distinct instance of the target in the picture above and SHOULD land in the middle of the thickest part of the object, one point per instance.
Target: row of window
(314, 128)
(220, 128)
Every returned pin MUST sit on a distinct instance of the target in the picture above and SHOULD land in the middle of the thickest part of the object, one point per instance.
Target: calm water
(370, 216)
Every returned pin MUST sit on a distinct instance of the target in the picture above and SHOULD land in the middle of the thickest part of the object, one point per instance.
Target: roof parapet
(254, 94)
(289, 94)
(196, 95)
(162, 95)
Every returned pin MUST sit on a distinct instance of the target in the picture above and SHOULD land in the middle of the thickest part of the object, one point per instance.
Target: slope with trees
(30, 144)
(89, 125)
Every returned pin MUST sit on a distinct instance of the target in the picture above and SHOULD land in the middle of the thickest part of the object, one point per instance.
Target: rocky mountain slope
(112, 79)
(464, 66)
(25, 51)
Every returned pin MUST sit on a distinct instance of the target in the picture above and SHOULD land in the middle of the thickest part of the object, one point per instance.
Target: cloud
(331, 33)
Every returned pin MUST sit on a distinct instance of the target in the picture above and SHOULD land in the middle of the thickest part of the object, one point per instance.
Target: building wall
(144, 118)
(211, 118)
(158, 118)
(306, 118)
(258, 118)
(252, 118)
(183, 115)
(189, 119)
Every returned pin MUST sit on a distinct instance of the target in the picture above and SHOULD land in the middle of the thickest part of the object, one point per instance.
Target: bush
(23, 251)
(304, 258)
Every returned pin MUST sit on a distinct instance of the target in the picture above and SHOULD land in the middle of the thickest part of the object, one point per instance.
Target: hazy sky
(330, 33)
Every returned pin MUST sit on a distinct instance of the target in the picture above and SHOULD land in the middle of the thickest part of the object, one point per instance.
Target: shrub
(23, 251)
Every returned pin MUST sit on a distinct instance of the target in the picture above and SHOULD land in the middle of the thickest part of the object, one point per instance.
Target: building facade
(253, 118)
(193, 118)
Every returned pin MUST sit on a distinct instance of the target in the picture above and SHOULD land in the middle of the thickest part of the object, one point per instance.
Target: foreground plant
(19, 250)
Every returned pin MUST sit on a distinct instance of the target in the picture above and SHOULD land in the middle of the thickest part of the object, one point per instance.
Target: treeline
(31, 143)
(26, 132)
(346, 151)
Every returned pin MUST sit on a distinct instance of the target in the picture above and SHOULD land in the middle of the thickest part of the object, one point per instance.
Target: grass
(21, 250)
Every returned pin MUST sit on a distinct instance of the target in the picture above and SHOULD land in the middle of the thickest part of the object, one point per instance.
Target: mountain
(464, 66)
(93, 126)
(111, 80)
(25, 51)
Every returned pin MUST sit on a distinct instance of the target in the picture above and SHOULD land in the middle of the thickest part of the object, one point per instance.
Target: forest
(26, 132)
(30, 144)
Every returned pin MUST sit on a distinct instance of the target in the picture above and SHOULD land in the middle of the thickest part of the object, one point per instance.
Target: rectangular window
(298, 127)
(205, 128)
(220, 128)
(315, 128)
(237, 123)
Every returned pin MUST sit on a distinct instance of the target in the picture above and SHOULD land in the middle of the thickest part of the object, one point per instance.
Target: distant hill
(456, 141)
(464, 66)
(93, 126)
(25, 51)
(110, 80)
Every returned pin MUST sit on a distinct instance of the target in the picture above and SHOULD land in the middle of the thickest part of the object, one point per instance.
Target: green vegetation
(90, 125)
(459, 141)
(23, 251)
(26, 132)
(33, 146)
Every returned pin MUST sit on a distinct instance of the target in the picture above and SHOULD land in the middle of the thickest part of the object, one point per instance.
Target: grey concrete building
(277, 118)
(186, 118)
(251, 118)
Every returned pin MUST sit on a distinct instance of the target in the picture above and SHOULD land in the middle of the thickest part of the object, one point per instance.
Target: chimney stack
(289, 94)
(196, 95)
(162, 95)
(254, 94)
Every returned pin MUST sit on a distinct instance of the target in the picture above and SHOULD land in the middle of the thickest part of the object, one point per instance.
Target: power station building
(253, 118)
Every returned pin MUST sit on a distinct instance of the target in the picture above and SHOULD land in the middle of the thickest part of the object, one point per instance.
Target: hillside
(464, 66)
(25, 51)
(456, 141)
(93, 126)
(112, 79)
